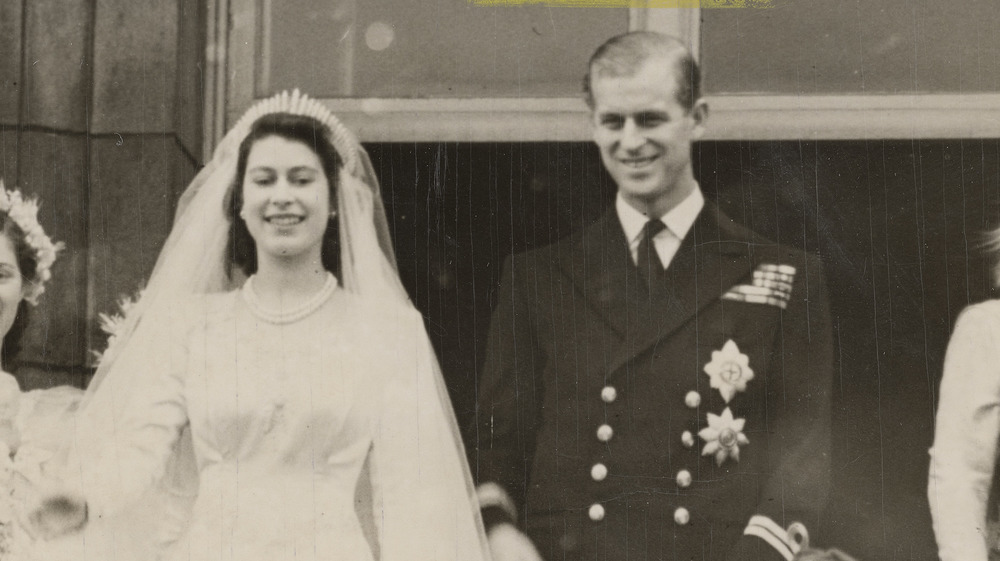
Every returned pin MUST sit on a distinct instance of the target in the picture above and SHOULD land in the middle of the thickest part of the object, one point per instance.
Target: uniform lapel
(713, 257)
(600, 263)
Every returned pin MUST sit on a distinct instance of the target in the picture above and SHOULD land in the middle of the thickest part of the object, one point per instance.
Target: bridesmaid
(962, 482)
(31, 423)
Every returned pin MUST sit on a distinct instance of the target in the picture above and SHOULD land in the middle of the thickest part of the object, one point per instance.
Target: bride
(299, 414)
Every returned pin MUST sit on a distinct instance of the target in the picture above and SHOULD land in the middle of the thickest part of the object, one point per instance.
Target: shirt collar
(678, 220)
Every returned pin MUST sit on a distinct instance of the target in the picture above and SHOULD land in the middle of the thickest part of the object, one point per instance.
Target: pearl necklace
(293, 315)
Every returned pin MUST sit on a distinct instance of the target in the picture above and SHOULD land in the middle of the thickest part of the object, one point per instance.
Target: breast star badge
(729, 370)
(723, 437)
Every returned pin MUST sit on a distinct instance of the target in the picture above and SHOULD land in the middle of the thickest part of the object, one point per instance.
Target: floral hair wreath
(24, 213)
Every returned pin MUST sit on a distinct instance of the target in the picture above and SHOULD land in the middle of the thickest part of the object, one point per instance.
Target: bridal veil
(193, 262)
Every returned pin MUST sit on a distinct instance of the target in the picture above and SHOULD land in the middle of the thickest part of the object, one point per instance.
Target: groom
(656, 387)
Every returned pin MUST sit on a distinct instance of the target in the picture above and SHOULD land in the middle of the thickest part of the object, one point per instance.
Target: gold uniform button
(682, 516)
(609, 394)
(683, 479)
(687, 439)
(596, 512)
(692, 399)
(599, 472)
(604, 433)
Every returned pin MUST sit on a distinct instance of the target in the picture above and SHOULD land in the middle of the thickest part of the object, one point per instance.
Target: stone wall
(100, 115)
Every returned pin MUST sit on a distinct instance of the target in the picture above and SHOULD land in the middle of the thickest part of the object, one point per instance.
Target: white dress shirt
(678, 221)
(965, 437)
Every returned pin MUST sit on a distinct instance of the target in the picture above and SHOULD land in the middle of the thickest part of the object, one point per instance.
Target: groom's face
(644, 133)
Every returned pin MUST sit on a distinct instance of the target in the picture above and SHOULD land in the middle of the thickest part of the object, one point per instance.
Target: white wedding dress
(213, 430)
(282, 418)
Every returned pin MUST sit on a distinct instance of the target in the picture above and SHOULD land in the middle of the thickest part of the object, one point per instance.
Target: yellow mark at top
(630, 3)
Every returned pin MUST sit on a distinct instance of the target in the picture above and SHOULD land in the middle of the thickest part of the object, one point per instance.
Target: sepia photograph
(499, 280)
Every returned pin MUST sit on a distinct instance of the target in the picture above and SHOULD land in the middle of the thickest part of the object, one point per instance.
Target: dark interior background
(899, 224)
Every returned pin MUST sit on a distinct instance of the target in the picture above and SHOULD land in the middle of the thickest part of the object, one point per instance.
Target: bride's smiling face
(286, 199)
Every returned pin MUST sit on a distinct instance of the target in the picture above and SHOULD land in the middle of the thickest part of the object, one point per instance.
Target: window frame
(231, 74)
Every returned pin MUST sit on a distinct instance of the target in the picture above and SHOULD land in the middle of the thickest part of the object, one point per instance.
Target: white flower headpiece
(24, 213)
(114, 324)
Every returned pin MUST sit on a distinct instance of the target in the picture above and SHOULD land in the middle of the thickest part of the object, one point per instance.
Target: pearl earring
(333, 214)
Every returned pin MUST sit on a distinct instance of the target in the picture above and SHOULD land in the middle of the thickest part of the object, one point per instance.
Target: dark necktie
(647, 259)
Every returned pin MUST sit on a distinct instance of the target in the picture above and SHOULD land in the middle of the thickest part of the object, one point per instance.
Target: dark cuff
(763, 539)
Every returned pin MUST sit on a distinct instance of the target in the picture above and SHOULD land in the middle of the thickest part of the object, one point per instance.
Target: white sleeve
(965, 437)
(126, 433)
(425, 504)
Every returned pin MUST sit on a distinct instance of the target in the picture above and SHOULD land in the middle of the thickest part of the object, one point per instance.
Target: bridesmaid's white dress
(964, 454)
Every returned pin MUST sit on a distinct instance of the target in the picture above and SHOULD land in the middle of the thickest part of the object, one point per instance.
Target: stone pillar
(100, 115)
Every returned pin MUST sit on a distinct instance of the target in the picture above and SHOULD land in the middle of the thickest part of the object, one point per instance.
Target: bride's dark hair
(241, 249)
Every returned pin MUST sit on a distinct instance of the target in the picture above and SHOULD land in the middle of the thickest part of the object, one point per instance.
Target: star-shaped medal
(723, 437)
(729, 370)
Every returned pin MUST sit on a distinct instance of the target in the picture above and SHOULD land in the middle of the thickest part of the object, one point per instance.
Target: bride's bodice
(282, 419)
(268, 428)
(299, 396)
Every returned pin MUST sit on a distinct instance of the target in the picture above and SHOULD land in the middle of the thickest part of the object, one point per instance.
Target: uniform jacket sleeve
(509, 400)
(799, 423)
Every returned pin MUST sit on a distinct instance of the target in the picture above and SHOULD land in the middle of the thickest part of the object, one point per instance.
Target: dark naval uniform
(684, 421)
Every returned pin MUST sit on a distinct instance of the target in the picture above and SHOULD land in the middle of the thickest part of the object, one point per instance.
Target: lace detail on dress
(15, 542)
(8, 545)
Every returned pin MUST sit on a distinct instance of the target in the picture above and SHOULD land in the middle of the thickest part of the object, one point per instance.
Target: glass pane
(428, 48)
(878, 46)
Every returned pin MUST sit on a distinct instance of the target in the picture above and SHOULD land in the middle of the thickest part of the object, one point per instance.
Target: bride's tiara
(24, 213)
(298, 103)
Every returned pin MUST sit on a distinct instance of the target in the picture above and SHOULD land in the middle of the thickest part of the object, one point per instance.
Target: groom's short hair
(624, 55)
